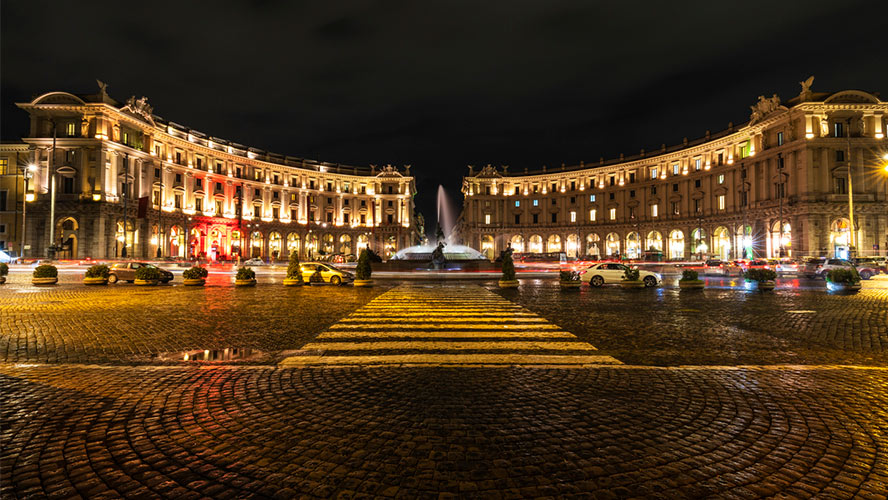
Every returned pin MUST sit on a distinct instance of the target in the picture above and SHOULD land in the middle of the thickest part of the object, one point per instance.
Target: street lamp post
(123, 253)
(52, 195)
(780, 195)
(27, 174)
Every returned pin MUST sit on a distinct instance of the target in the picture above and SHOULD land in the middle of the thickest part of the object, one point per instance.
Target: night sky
(442, 84)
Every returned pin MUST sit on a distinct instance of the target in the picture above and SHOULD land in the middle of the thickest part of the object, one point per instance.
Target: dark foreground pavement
(187, 432)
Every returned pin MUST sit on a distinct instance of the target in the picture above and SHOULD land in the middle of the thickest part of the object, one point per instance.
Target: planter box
(146, 282)
(632, 284)
(95, 281)
(293, 282)
(508, 283)
(691, 284)
(2, 280)
(570, 285)
(194, 282)
(763, 286)
(843, 287)
(44, 281)
(251, 282)
(362, 282)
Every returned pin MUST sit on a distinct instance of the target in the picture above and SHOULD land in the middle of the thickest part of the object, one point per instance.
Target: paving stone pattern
(445, 325)
(419, 432)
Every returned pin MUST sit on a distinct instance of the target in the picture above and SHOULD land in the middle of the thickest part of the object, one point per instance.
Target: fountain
(444, 250)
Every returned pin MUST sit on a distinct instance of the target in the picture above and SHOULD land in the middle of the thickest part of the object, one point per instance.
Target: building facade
(777, 186)
(130, 184)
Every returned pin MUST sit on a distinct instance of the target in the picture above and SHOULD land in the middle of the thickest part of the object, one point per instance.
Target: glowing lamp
(880, 135)
(29, 197)
(809, 135)
(97, 197)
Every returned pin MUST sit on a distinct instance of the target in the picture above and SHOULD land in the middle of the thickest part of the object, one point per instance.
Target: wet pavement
(451, 390)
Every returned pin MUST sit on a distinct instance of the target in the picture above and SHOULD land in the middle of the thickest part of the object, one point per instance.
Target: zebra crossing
(449, 325)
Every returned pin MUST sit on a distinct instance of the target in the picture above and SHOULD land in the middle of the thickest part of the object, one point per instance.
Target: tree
(363, 270)
(294, 272)
(508, 267)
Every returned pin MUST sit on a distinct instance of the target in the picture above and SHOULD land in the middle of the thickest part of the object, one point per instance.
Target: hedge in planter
(97, 274)
(630, 279)
(846, 279)
(690, 279)
(46, 271)
(508, 279)
(764, 278)
(148, 275)
(245, 277)
(294, 271)
(195, 276)
(4, 270)
(570, 280)
(363, 271)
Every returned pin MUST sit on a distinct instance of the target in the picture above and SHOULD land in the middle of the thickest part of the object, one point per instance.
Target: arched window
(345, 244)
(487, 246)
(327, 247)
(256, 244)
(592, 246)
(613, 244)
(517, 242)
(275, 243)
(676, 244)
(363, 242)
(535, 244)
(633, 245)
(293, 243)
(721, 243)
(654, 242)
(553, 244)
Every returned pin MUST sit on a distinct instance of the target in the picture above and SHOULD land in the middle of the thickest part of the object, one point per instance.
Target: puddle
(213, 355)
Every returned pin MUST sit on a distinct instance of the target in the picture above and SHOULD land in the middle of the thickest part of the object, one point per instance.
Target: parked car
(868, 267)
(254, 262)
(612, 272)
(126, 271)
(330, 273)
(786, 266)
(817, 268)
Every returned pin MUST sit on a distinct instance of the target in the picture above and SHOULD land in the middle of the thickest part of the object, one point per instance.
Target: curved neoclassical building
(778, 185)
(125, 176)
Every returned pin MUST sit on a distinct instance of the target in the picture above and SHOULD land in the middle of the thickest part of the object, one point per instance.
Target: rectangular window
(554, 217)
(721, 178)
(3, 195)
(4, 166)
(363, 217)
(275, 213)
(612, 180)
(311, 184)
(487, 219)
(68, 185)
(345, 218)
(744, 150)
(697, 183)
(653, 172)
(198, 204)
(178, 178)
(517, 203)
(631, 212)
(675, 187)
(155, 197)
(592, 198)
(256, 193)
(517, 218)
(838, 129)
(675, 208)
(238, 171)
(654, 210)
(573, 199)
(256, 211)
(631, 177)
(257, 174)
(632, 193)
(536, 203)
(219, 207)
(179, 157)
(592, 214)
(198, 183)
(199, 162)
(721, 202)
(698, 207)
(675, 169)
(779, 138)
(554, 201)
(611, 196)
(329, 216)
(743, 198)
(156, 173)
(840, 187)
(573, 216)
(70, 129)
(698, 164)
(840, 155)
(486, 189)
(536, 218)
(653, 190)
(178, 201)
(613, 214)
(517, 190)
(720, 158)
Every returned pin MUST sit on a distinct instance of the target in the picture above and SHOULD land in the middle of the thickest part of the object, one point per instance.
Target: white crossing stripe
(446, 325)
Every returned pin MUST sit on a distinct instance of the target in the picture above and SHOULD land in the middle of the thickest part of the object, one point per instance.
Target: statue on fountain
(438, 259)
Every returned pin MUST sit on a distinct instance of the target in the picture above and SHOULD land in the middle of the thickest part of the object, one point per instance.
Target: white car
(612, 272)
(254, 262)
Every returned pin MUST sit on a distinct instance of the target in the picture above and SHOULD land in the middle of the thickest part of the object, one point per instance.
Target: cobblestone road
(170, 429)
(418, 432)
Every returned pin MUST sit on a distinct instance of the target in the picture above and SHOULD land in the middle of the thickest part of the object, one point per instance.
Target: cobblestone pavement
(125, 324)
(417, 432)
(799, 323)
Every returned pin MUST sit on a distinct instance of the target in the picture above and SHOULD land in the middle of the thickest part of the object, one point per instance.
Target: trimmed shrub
(46, 271)
(569, 276)
(363, 270)
(245, 273)
(631, 274)
(148, 273)
(4, 269)
(195, 273)
(98, 271)
(294, 270)
(508, 267)
(847, 275)
(759, 275)
(689, 275)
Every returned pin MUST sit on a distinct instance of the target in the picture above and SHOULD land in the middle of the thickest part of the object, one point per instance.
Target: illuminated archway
(699, 245)
(744, 242)
(633, 245)
(235, 243)
(391, 247)
(345, 244)
(517, 242)
(780, 245)
(293, 243)
(592, 245)
(256, 245)
(612, 244)
(487, 246)
(654, 241)
(327, 244)
(363, 242)
(535, 244)
(676, 244)
(553, 244)
(572, 245)
(275, 243)
(177, 242)
(840, 238)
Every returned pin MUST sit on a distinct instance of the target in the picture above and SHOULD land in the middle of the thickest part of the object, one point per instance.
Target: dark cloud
(441, 84)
